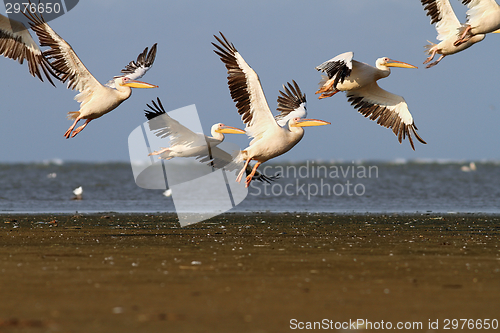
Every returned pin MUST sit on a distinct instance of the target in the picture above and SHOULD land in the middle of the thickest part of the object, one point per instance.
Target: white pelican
(96, 99)
(269, 138)
(186, 143)
(16, 43)
(483, 17)
(359, 80)
(447, 26)
(469, 168)
(183, 141)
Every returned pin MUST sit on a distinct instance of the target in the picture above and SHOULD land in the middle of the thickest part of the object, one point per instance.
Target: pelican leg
(68, 132)
(79, 129)
(250, 176)
(240, 175)
(432, 64)
(462, 38)
(326, 87)
(433, 54)
(328, 95)
(158, 152)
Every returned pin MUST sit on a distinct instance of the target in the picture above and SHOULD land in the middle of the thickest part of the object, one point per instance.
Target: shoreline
(244, 272)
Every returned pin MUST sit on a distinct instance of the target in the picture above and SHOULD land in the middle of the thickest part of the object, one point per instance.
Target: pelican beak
(230, 130)
(310, 122)
(400, 64)
(496, 31)
(139, 84)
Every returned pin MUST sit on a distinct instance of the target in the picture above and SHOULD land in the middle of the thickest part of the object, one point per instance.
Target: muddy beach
(247, 272)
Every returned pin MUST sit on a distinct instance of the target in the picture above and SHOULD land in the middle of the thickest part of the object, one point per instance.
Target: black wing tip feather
(226, 44)
(386, 118)
(291, 99)
(155, 110)
(430, 6)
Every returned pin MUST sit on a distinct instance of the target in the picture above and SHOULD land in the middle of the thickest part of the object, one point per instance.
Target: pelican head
(128, 82)
(303, 122)
(221, 128)
(388, 62)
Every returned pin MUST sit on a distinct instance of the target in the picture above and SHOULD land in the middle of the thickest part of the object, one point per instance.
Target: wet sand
(245, 273)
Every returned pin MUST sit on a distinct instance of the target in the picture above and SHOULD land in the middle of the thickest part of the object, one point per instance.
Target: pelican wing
(165, 126)
(389, 110)
(136, 69)
(339, 67)
(477, 8)
(441, 13)
(291, 104)
(20, 46)
(63, 59)
(483, 4)
(246, 90)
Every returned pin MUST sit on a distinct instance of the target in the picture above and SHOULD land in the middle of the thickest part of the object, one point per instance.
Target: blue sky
(454, 105)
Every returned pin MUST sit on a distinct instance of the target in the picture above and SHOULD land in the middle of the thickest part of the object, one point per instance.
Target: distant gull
(52, 175)
(78, 193)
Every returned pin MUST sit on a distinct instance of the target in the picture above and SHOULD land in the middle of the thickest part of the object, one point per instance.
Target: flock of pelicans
(271, 135)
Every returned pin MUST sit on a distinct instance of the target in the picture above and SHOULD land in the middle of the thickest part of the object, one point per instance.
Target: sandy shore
(246, 273)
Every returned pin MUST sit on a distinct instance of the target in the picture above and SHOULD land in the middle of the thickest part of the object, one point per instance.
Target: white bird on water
(469, 168)
(78, 192)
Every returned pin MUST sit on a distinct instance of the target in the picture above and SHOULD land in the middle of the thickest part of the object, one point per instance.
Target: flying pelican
(483, 17)
(186, 143)
(96, 99)
(16, 43)
(183, 141)
(447, 26)
(359, 80)
(269, 138)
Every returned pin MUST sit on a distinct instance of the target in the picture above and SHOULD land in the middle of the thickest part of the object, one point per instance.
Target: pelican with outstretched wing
(483, 17)
(16, 43)
(447, 26)
(269, 139)
(186, 143)
(95, 99)
(183, 141)
(359, 81)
